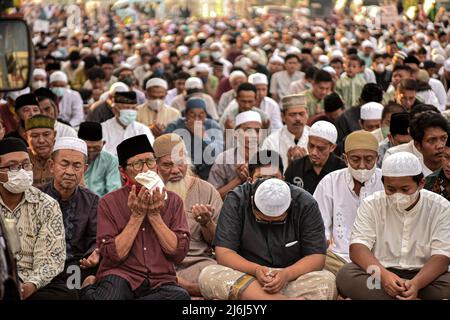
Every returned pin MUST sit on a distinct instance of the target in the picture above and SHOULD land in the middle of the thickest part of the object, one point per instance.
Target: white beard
(181, 187)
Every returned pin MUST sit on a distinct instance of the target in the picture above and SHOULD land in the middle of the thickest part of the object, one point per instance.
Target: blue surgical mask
(127, 116)
(159, 72)
(59, 91)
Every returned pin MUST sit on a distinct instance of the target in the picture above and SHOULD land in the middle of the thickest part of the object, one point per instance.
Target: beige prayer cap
(361, 140)
(165, 144)
(294, 101)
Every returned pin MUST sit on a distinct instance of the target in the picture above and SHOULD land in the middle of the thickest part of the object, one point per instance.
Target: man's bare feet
(88, 281)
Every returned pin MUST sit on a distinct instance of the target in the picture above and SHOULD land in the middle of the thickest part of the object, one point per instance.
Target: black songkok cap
(45, 93)
(128, 97)
(132, 147)
(332, 102)
(90, 131)
(28, 99)
(12, 144)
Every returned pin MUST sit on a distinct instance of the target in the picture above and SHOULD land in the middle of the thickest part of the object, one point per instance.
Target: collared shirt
(80, 221)
(164, 116)
(438, 183)
(301, 172)
(339, 203)
(71, 108)
(224, 168)
(404, 239)
(171, 94)
(281, 81)
(272, 245)
(225, 100)
(409, 147)
(146, 259)
(269, 106)
(102, 175)
(41, 170)
(41, 231)
(314, 105)
(114, 133)
(179, 103)
(350, 88)
(63, 130)
(281, 140)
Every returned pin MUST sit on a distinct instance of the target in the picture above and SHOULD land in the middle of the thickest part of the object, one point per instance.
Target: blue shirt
(102, 175)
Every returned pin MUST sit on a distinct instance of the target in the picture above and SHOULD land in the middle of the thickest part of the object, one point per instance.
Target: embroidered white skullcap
(139, 46)
(323, 59)
(371, 111)
(367, 44)
(254, 42)
(237, 74)
(247, 116)
(107, 46)
(117, 47)
(325, 130)
(202, 67)
(118, 87)
(194, 83)
(258, 78)
(273, 197)
(293, 50)
(156, 82)
(438, 59)
(13, 95)
(401, 164)
(58, 76)
(434, 44)
(182, 50)
(70, 143)
(150, 180)
(329, 69)
(276, 58)
(337, 54)
(39, 72)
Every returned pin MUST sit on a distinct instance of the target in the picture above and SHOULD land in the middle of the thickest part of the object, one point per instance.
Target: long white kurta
(404, 239)
(114, 133)
(338, 204)
(71, 108)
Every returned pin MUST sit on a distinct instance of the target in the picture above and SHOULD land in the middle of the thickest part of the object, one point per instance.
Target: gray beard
(181, 187)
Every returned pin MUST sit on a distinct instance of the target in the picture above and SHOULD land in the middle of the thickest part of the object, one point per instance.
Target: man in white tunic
(124, 124)
(400, 243)
(340, 193)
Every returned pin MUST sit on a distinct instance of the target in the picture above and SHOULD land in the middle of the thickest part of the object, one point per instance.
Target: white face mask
(402, 201)
(19, 181)
(216, 55)
(362, 175)
(380, 68)
(38, 84)
(156, 104)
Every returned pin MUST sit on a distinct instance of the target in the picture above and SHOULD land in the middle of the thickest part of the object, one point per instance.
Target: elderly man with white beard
(202, 204)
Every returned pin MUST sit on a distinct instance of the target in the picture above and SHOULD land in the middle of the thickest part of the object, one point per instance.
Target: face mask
(402, 201)
(92, 156)
(361, 175)
(59, 91)
(156, 104)
(159, 72)
(128, 81)
(18, 182)
(380, 68)
(384, 132)
(216, 55)
(38, 84)
(204, 79)
(127, 116)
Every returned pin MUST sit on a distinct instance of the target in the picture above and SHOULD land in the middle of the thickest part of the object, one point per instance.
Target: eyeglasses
(139, 165)
(17, 166)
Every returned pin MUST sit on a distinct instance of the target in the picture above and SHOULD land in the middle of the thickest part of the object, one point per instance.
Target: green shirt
(314, 105)
(102, 175)
(350, 89)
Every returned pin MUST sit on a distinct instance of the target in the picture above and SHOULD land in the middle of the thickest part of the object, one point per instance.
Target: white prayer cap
(447, 65)
(273, 197)
(325, 130)
(182, 50)
(438, 59)
(150, 180)
(221, 25)
(139, 46)
(323, 59)
(58, 76)
(243, 63)
(254, 42)
(254, 56)
(117, 47)
(194, 83)
(247, 116)
(107, 46)
(85, 51)
(337, 54)
(202, 67)
(276, 58)
(258, 78)
(421, 36)
(70, 143)
(367, 44)
(401, 164)
(371, 111)
(156, 82)
(434, 44)
(57, 54)
(237, 74)
(39, 72)
(133, 61)
(216, 45)
(118, 87)
(329, 69)
(116, 40)
(293, 50)
(316, 51)
(13, 95)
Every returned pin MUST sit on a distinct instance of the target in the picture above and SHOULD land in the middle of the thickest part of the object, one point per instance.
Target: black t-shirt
(301, 172)
(271, 245)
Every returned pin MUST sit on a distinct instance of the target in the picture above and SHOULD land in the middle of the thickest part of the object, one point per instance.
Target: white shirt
(71, 108)
(281, 81)
(439, 90)
(114, 133)
(338, 204)
(404, 239)
(428, 97)
(409, 147)
(171, 94)
(63, 130)
(281, 140)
